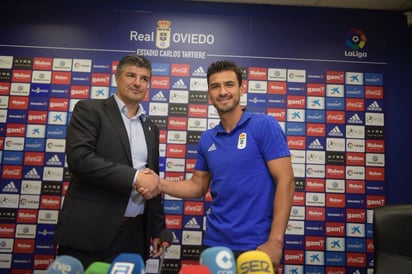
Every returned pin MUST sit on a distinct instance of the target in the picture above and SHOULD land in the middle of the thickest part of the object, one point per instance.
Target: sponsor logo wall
(332, 113)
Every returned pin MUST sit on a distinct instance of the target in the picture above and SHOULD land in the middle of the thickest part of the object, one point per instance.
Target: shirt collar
(141, 113)
(245, 117)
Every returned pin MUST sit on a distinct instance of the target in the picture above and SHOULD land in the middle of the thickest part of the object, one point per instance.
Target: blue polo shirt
(242, 188)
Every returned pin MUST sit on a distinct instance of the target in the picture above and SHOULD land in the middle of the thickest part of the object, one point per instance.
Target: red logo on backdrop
(18, 102)
(373, 92)
(58, 104)
(190, 165)
(176, 151)
(173, 221)
(356, 259)
(315, 89)
(335, 270)
(197, 111)
(355, 104)
(355, 215)
(65, 186)
(315, 185)
(335, 229)
(355, 186)
(375, 146)
(42, 261)
(16, 130)
(27, 216)
(1, 142)
(355, 159)
(7, 230)
(375, 173)
(174, 176)
(50, 202)
(335, 117)
(4, 88)
(296, 142)
(276, 87)
(294, 257)
(296, 101)
(278, 113)
(315, 213)
(61, 77)
(335, 77)
(314, 243)
(101, 79)
(160, 82)
(42, 63)
(335, 200)
(257, 73)
(177, 123)
(163, 136)
(180, 70)
(335, 172)
(23, 246)
(193, 208)
(373, 201)
(79, 92)
(299, 198)
(33, 158)
(21, 76)
(37, 117)
(244, 85)
(315, 129)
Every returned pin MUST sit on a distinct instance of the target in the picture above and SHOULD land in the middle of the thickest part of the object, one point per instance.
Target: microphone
(194, 269)
(65, 264)
(97, 268)
(218, 259)
(127, 263)
(166, 238)
(254, 262)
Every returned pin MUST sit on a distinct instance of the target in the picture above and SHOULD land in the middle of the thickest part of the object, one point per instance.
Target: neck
(230, 119)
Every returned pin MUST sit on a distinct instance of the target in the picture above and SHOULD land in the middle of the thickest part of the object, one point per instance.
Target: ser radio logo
(355, 39)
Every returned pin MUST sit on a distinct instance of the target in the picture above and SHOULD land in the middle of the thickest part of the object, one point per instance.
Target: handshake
(148, 184)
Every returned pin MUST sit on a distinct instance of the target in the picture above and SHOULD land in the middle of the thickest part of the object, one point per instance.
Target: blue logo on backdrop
(334, 103)
(310, 269)
(315, 143)
(39, 90)
(315, 116)
(353, 91)
(38, 103)
(44, 247)
(375, 188)
(12, 157)
(59, 91)
(355, 118)
(335, 214)
(296, 88)
(16, 116)
(162, 69)
(173, 206)
(355, 201)
(374, 79)
(45, 232)
(276, 101)
(32, 172)
(355, 244)
(335, 258)
(80, 78)
(335, 130)
(22, 261)
(294, 242)
(297, 129)
(314, 228)
(34, 144)
(315, 76)
(56, 132)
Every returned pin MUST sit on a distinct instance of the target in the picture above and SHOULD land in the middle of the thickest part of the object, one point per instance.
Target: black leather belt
(130, 220)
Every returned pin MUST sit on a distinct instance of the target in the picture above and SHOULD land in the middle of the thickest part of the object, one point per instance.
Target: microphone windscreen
(194, 269)
(97, 268)
(129, 263)
(65, 264)
(166, 237)
(218, 259)
(254, 262)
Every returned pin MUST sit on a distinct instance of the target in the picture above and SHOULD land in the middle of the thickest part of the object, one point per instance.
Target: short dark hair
(134, 60)
(224, 65)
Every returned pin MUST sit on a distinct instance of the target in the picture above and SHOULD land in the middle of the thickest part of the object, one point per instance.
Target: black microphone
(166, 238)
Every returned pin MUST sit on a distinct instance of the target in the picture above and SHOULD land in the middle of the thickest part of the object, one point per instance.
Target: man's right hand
(148, 184)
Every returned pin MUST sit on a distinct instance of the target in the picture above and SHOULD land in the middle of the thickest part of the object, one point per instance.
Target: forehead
(136, 70)
(223, 76)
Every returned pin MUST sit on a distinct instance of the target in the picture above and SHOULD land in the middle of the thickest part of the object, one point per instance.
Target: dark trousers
(129, 239)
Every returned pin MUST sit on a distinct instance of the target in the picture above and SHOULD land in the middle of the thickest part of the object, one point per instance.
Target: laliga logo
(356, 40)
